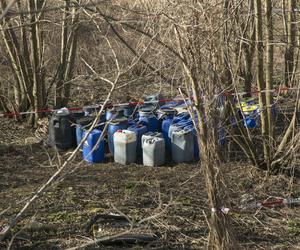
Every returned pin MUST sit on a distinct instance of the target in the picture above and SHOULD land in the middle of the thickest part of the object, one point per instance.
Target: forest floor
(171, 200)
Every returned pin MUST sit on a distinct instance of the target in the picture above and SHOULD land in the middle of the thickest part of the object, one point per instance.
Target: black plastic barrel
(62, 133)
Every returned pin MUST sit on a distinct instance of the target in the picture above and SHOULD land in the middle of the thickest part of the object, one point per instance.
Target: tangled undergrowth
(170, 201)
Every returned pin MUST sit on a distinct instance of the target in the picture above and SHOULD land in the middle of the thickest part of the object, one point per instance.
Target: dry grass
(59, 219)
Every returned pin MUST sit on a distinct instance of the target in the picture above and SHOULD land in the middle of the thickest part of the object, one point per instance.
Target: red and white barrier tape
(256, 205)
(13, 114)
(272, 203)
(225, 93)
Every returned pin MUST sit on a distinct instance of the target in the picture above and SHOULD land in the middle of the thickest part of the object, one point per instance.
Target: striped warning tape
(224, 93)
(13, 114)
(256, 205)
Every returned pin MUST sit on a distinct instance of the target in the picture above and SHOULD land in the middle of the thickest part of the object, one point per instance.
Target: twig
(55, 176)
(8, 7)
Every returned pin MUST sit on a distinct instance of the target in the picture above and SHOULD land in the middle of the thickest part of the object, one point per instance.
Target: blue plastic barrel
(163, 114)
(148, 119)
(131, 122)
(114, 126)
(91, 154)
(181, 117)
(101, 122)
(114, 113)
(251, 119)
(109, 115)
(128, 110)
(171, 104)
(75, 116)
(166, 123)
(249, 122)
(184, 123)
(166, 117)
(85, 123)
(81, 124)
(139, 130)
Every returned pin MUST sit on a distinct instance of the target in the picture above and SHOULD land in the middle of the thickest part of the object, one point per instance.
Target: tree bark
(63, 56)
(291, 38)
(69, 71)
(260, 78)
(66, 67)
(269, 78)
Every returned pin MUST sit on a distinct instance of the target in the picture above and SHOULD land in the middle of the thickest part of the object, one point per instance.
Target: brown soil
(174, 195)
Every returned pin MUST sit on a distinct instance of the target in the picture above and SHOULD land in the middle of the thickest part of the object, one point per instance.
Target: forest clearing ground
(59, 218)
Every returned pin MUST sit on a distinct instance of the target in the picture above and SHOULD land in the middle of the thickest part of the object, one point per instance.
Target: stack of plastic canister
(125, 145)
(195, 141)
(128, 110)
(182, 136)
(114, 113)
(82, 124)
(153, 145)
(148, 118)
(139, 130)
(166, 117)
(113, 127)
(182, 140)
(249, 111)
(93, 147)
(178, 124)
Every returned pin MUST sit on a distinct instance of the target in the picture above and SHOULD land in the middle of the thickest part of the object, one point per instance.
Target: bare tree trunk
(68, 54)
(269, 77)
(25, 55)
(291, 37)
(22, 93)
(220, 236)
(63, 56)
(288, 136)
(71, 56)
(35, 44)
(260, 78)
(248, 71)
(248, 48)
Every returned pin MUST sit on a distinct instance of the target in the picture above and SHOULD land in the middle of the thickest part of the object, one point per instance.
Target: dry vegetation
(59, 219)
(74, 53)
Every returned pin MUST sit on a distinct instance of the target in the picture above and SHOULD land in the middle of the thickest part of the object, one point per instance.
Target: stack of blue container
(175, 129)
